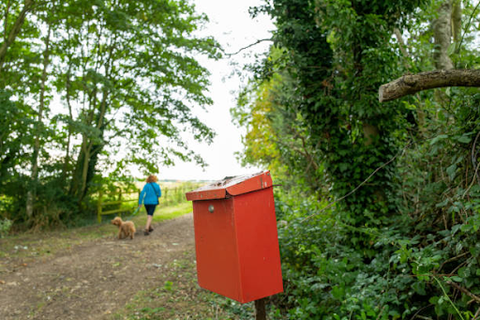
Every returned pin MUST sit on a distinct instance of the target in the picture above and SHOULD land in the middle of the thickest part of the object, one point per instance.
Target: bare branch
(476, 314)
(413, 83)
(401, 42)
(462, 289)
(249, 46)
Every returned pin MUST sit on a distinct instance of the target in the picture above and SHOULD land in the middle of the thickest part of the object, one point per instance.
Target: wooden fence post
(120, 198)
(99, 206)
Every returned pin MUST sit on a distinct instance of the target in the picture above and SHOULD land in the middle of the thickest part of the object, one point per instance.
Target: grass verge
(163, 213)
(175, 294)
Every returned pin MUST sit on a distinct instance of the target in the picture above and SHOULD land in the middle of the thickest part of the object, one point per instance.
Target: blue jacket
(150, 194)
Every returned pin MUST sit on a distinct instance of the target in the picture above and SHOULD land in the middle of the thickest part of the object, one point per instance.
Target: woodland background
(379, 208)
(90, 90)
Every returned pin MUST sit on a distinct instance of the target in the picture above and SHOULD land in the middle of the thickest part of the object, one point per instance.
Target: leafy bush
(5, 226)
(326, 277)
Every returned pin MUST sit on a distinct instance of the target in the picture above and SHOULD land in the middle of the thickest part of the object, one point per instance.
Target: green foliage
(327, 278)
(90, 94)
(175, 194)
(5, 226)
(277, 137)
(387, 227)
(328, 85)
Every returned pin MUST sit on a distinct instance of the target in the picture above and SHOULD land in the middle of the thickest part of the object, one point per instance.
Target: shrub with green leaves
(5, 226)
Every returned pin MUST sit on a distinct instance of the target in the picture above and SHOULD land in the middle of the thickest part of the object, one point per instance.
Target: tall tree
(138, 73)
(109, 83)
(42, 105)
(340, 52)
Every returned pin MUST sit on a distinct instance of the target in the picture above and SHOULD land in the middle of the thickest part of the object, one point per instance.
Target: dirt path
(97, 278)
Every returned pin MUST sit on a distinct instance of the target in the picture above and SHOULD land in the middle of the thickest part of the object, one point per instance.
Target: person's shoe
(150, 229)
(146, 233)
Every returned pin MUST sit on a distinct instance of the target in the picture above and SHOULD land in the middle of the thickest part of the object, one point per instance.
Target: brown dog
(125, 229)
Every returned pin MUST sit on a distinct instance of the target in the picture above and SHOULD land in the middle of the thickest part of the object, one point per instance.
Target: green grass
(170, 212)
(163, 213)
(175, 294)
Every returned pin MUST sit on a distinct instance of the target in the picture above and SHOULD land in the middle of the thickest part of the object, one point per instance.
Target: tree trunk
(69, 134)
(456, 22)
(32, 193)
(90, 150)
(407, 64)
(413, 83)
(369, 132)
(76, 182)
(449, 22)
(442, 33)
(83, 181)
(68, 94)
(403, 48)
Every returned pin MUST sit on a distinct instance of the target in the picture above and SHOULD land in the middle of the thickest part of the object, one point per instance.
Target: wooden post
(120, 199)
(99, 206)
(260, 312)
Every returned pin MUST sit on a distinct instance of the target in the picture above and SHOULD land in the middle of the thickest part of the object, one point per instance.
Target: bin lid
(232, 186)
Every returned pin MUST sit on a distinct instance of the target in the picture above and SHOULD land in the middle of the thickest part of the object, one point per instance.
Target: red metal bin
(236, 237)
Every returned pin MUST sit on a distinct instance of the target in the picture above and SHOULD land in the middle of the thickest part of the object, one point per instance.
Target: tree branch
(413, 83)
(462, 289)
(249, 46)
(401, 42)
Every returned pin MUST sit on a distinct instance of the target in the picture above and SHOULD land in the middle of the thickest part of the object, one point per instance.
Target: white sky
(232, 26)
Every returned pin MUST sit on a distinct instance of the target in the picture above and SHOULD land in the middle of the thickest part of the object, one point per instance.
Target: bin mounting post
(260, 312)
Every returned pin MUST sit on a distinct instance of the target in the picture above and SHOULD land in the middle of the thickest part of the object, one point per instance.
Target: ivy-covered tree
(339, 52)
(397, 237)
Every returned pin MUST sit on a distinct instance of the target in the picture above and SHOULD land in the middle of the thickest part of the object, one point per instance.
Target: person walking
(149, 198)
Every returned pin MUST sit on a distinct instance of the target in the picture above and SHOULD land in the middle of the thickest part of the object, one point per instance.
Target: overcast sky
(232, 26)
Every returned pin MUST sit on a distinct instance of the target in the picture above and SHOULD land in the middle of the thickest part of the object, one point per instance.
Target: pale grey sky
(232, 26)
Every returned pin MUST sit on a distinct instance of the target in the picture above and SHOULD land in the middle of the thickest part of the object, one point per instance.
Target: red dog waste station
(236, 237)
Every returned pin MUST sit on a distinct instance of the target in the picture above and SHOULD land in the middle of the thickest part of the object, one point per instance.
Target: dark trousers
(150, 209)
